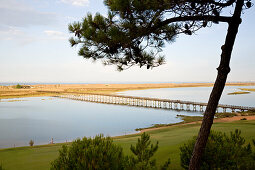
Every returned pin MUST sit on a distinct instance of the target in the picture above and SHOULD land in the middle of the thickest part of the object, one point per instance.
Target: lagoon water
(198, 94)
(43, 118)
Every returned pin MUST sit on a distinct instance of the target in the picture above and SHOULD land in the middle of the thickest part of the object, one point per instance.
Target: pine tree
(101, 153)
(222, 152)
(143, 152)
(135, 32)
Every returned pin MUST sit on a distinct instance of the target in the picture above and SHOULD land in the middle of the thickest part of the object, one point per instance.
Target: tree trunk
(218, 87)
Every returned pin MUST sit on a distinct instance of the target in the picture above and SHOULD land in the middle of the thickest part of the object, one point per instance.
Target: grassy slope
(169, 140)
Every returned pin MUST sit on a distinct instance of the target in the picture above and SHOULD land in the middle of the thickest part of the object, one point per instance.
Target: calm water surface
(198, 94)
(43, 118)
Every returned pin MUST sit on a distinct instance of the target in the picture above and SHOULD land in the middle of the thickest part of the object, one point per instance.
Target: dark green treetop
(136, 30)
(143, 155)
(222, 152)
(101, 153)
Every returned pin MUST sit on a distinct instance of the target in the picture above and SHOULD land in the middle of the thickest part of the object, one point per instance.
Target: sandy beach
(35, 90)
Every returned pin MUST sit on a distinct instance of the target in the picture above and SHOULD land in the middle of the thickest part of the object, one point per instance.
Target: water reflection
(43, 118)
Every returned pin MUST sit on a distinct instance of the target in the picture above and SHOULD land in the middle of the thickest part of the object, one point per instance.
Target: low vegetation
(186, 119)
(90, 153)
(101, 153)
(244, 91)
(47, 89)
(31, 143)
(18, 86)
(21, 93)
(170, 139)
(248, 113)
(248, 89)
(227, 114)
(222, 152)
(239, 92)
(190, 119)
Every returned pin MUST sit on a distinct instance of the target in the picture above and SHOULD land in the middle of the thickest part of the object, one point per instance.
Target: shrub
(18, 86)
(31, 143)
(101, 153)
(88, 153)
(221, 152)
(223, 115)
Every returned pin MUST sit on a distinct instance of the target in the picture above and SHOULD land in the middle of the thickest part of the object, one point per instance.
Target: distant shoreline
(36, 90)
(134, 82)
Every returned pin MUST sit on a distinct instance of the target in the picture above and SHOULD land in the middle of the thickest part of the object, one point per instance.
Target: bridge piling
(148, 102)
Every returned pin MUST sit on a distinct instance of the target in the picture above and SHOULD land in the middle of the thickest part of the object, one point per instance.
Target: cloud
(13, 4)
(22, 37)
(56, 35)
(17, 35)
(9, 33)
(16, 14)
(76, 2)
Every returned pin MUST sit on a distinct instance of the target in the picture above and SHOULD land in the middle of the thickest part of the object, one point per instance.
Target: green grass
(170, 139)
(188, 119)
(28, 157)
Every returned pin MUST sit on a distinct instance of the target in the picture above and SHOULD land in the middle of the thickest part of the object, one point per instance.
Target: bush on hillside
(88, 153)
(101, 153)
(221, 152)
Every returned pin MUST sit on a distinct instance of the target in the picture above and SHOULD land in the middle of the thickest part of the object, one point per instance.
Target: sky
(34, 47)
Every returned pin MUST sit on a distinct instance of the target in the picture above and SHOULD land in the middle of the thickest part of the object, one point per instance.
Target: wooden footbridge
(148, 102)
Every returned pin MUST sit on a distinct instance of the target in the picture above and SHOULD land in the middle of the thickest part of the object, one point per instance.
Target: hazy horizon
(113, 82)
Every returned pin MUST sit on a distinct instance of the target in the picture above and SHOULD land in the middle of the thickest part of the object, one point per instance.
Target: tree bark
(218, 87)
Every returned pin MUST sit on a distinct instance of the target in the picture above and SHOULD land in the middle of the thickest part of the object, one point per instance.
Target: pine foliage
(135, 31)
(222, 152)
(88, 153)
(101, 153)
(143, 152)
